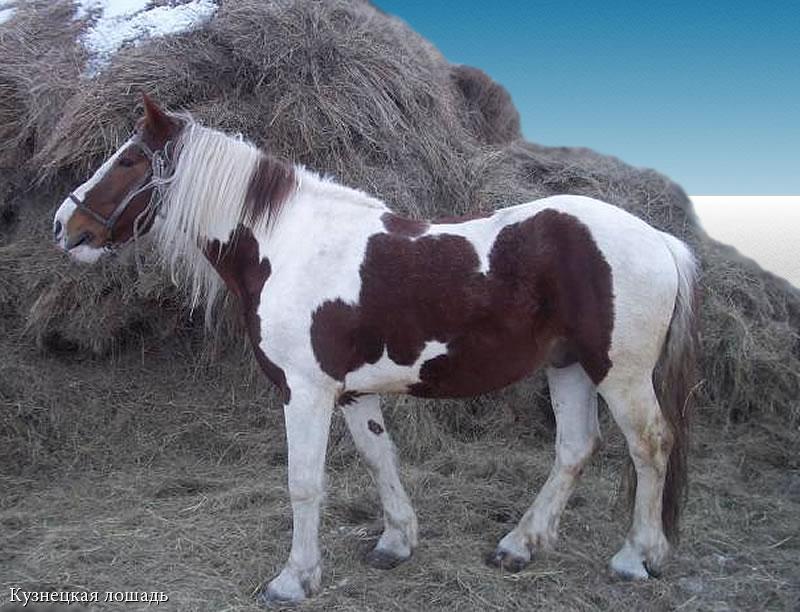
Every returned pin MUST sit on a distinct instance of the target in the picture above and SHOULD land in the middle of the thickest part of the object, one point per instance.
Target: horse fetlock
(400, 541)
(655, 553)
(395, 545)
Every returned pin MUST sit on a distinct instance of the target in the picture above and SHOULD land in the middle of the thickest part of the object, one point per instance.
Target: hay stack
(346, 90)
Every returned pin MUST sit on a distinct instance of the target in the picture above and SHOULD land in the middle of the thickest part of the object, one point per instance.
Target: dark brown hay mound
(346, 90)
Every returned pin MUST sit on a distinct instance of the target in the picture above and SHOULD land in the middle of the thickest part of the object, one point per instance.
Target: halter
(159, 162)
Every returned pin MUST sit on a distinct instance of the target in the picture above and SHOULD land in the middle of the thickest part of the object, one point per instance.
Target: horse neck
(203, 202)
(204, 197)
(320, 210)
(211, 202)
(222, 183)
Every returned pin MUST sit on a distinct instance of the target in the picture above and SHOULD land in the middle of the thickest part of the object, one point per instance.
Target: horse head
(120, 201)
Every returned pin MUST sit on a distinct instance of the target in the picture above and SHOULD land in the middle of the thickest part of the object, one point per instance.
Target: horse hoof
(507, 561)
(629, 569)
(289, 587)
(272, 599)
(383, 559)
(631, 574)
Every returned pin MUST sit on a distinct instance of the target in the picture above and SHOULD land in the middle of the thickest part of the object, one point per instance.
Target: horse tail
(675, 379)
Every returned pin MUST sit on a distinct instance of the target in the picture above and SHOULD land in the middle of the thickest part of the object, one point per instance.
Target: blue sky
(705, 92)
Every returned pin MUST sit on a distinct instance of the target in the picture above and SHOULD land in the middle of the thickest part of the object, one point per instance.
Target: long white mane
(206, 197)
(203, 199)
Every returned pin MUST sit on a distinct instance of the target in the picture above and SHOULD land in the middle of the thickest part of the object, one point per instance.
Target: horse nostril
(57, 230)
(85, 237)
(82, 238)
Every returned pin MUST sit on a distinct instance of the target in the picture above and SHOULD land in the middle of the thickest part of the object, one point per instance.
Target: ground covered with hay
(139, 452)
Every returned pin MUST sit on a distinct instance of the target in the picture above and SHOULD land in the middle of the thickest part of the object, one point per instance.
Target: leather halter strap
(156, 162)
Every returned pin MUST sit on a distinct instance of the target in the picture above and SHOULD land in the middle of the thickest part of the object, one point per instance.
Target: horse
(344, 300)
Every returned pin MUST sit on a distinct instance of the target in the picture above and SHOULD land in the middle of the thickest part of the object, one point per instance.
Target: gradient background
(706, 92)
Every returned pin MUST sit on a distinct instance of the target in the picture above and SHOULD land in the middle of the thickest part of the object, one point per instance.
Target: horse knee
(573, 457)
(652, 445)
(304, 489)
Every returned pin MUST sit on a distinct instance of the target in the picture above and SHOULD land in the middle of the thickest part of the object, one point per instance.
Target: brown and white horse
(344, 300)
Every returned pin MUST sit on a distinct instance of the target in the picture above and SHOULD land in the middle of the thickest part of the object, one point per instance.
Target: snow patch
(6, 13)
(129, 22)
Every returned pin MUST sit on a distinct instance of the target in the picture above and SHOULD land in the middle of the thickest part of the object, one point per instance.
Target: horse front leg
(371, 437)
(308, 417)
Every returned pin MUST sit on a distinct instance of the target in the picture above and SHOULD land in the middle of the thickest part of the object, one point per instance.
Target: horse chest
(244, 271)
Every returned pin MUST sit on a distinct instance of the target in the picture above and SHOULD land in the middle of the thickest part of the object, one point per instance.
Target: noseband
(159, 161)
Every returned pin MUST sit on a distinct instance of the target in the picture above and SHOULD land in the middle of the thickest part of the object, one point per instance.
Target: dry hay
(105, 368)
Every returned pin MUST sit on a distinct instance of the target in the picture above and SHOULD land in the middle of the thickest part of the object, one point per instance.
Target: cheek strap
(157, 164)
(108, 223)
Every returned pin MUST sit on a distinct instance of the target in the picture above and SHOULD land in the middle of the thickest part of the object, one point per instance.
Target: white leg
(635, 408)
(308, 416)
(372, 440)
(574, 399)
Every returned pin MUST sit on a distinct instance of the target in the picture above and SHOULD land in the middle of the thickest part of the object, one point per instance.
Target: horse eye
(125, 162)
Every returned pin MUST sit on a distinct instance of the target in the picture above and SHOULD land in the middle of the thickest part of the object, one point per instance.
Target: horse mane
(218, 182)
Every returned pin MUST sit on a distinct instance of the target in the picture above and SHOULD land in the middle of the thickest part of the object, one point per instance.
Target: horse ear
(154, 117)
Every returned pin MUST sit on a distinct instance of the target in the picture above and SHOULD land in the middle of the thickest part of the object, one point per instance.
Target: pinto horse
(344, 300)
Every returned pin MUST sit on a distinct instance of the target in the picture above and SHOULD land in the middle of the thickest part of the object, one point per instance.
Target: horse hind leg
(634, 406)
(574, 399)
(399, 538)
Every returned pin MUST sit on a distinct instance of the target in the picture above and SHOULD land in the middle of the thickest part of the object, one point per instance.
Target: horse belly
(478, 363)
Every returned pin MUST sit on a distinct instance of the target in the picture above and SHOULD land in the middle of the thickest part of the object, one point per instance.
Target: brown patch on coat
(395, 224)
(272, 183)
(547, 281)
(244, 273)
(413, 228)
(374, 427)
